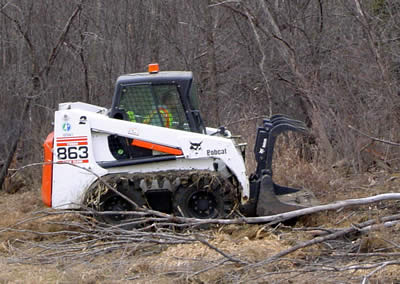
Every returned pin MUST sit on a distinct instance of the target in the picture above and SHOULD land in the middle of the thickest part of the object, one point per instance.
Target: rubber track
(202, 179)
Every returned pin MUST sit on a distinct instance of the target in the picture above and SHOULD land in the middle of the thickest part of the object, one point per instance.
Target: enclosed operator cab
(166, 99)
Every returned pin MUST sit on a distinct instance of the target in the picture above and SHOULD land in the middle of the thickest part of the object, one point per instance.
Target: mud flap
(268, 203)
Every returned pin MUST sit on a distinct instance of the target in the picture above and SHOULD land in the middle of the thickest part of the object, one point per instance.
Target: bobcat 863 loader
(152, 147)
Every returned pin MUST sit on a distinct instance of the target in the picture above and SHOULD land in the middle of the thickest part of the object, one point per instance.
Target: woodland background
(334, 64)
(331, 63)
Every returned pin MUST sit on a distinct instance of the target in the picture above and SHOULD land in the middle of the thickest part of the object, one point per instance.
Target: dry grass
(195, 262)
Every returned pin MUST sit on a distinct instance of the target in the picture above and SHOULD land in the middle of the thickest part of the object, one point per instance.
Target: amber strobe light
(154, 68)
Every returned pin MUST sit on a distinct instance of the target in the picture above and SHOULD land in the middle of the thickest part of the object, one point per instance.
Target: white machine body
(81, 151)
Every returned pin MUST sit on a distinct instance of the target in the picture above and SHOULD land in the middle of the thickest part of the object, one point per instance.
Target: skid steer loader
(152, 147)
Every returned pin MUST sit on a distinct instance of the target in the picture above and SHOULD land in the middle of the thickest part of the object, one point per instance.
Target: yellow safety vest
(131, 116)
(166, 115)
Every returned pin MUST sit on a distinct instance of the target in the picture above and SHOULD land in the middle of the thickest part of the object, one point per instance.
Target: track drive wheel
(209, 202)
(112, 201)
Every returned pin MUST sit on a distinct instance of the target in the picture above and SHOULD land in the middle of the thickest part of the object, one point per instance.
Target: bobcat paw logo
(195, 146)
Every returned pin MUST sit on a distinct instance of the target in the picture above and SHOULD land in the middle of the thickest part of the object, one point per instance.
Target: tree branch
(332, 236)
(374, 138)
(61, 39)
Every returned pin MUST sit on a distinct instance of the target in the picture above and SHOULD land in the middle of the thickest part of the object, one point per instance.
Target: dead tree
(37, 77)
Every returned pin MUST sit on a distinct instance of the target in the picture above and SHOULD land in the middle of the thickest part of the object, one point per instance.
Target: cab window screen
(157, 105)
(193, 97)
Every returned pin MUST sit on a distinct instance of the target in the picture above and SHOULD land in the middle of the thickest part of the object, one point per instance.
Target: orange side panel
(157, 147)
(47, 170)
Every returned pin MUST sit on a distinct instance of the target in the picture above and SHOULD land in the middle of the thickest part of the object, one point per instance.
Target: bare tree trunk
(373, 42)
(262, 62)
(154, 31)
(85, 66)
(14, 145)
(85, 76)
(2, 46)
(37, 75)
(305, 86)
(212, 62)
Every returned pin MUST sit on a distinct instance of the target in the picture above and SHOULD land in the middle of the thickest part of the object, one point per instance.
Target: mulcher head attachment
(266, 138)
(268, 202)
(269, 198)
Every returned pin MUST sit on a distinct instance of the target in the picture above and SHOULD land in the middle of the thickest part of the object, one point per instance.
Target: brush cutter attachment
(268, 198)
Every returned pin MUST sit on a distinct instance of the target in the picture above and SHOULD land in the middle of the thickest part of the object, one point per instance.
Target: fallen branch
(368, 254)
(341, 233)
(273, 219)
(231, 258)
(380, 267)
(297, 213)
(374, 138)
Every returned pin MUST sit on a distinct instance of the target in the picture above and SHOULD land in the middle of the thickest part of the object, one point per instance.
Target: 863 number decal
(72, 153)
(73, 149)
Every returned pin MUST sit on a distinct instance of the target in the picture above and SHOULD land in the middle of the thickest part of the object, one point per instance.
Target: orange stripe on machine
(157, 147)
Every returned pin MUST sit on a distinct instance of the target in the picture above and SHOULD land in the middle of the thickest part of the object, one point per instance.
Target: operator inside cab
(166, 109)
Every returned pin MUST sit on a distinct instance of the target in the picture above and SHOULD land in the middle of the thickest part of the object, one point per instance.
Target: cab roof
(160, 77)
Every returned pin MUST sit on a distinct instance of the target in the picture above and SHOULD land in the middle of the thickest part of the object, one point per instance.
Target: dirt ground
(44, 248)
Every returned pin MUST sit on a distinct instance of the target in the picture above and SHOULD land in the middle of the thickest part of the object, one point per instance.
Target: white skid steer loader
(153, 148)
